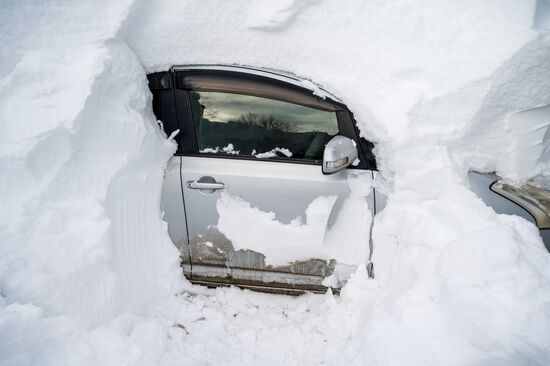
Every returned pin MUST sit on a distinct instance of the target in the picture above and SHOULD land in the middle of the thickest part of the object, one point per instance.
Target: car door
(256, 201)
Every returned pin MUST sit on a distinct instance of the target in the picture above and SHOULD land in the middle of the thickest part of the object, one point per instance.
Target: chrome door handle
(208, 184)
(193, 184)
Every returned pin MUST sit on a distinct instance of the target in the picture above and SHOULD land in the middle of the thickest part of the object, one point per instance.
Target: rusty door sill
(267, 289)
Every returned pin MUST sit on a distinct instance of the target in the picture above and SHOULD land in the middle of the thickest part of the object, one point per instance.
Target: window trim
(276, 159)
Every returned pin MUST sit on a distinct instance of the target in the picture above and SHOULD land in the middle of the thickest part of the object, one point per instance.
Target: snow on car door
(257, 203)
(265, 227)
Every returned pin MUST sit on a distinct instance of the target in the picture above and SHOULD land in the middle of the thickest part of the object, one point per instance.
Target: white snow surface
(88, 275)
(250, 228)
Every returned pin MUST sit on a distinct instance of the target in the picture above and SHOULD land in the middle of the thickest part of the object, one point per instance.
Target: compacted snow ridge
(89, 276)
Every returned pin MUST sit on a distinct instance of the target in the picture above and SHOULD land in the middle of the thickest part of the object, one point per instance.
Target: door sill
(264, 288)
(257, 280)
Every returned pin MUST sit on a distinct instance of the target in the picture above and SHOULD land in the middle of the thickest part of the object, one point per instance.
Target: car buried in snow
(258, 148)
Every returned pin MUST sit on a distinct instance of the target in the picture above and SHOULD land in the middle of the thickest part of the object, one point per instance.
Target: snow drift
(82, 156)
(440, 86)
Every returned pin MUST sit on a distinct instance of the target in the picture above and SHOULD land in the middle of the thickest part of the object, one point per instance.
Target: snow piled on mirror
(88, 275)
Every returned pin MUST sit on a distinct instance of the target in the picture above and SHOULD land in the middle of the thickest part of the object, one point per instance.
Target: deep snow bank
(82, 157)
(83, 187)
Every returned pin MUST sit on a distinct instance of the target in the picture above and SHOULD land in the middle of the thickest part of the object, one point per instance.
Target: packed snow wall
(435, 84)
(82, 158)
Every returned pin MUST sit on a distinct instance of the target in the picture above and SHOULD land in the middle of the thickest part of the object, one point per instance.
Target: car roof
(262, 72)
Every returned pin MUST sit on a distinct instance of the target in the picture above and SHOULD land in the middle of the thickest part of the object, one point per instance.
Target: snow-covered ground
(88, 275)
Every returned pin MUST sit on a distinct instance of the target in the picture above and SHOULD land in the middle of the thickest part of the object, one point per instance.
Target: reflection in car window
(236, 124)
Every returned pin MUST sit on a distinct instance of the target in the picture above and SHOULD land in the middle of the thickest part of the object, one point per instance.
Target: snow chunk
(229, 149)
(273, 153)
(250, 228)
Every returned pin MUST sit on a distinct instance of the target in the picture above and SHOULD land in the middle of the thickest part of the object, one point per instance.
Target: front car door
(257, 205)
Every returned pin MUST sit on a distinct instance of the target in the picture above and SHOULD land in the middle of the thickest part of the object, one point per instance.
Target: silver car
(276, 142)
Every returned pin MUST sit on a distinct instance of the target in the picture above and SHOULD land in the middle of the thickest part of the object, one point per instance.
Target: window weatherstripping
(534, 200)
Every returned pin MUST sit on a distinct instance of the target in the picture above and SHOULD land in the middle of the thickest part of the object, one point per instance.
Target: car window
(237, 124)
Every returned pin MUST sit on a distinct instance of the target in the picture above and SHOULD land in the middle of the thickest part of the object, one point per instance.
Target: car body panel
(285, 189)
(480, 184)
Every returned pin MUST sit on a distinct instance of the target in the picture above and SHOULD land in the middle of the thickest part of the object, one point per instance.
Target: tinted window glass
(232, 124)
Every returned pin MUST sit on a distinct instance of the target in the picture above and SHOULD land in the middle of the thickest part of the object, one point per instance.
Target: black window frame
(177, 114)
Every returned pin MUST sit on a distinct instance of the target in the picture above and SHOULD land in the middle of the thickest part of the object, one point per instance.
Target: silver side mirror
(339, 153)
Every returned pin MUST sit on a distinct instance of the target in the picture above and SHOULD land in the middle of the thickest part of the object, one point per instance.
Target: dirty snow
(88, 275)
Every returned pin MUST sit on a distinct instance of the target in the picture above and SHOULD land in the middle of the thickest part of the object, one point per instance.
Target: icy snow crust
(87, 271)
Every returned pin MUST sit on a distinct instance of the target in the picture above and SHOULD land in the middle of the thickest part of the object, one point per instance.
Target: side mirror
(339, 153)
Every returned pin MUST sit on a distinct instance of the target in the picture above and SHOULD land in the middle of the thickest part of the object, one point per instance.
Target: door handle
(193, 184)
(207, 184)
